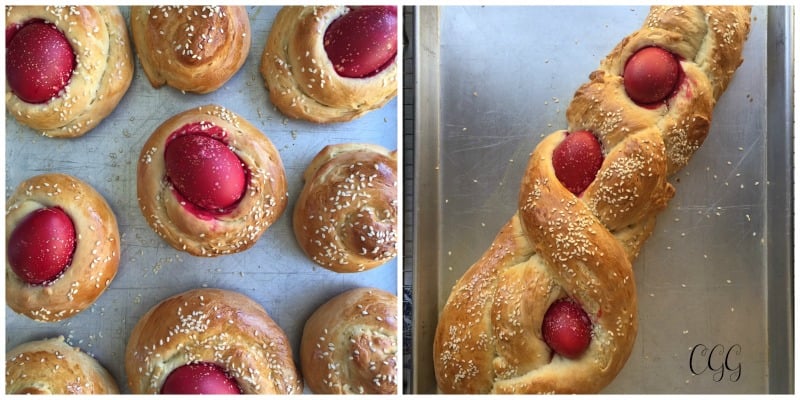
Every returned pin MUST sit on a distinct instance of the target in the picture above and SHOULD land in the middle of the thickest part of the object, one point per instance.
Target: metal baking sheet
(274, 272)
(715, 276)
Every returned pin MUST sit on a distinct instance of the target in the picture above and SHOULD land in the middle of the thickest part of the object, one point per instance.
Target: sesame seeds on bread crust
(489, 337)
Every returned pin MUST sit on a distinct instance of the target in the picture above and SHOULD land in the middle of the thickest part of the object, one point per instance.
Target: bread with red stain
(517, 320)
(202, 330)
(209, 182)
(191, 48)
(67, 66)
(51, 366)
(63, 247)
(331, 63)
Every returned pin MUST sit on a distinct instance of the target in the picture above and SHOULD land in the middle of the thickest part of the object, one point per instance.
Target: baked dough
(51, 366)
(559, 245)
(102, 75)
(216, 326)
(301, 79)
(349, 344)
(346, 216)
(97, 247)
(263, 201)
(191, 48)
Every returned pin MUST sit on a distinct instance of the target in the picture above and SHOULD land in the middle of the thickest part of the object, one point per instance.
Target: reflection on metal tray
(713, 279)
(275, 272)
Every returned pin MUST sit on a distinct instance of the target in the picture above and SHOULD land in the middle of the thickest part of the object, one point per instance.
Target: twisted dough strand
(489, 337)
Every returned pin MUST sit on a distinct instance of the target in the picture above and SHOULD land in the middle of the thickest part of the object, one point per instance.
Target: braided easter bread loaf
(551, 306)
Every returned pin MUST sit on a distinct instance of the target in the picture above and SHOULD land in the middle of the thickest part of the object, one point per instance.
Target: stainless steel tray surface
(504, 79)
(275, 272)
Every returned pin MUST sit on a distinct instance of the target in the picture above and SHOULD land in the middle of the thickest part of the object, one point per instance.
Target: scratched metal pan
(714, 279)
(275, 272)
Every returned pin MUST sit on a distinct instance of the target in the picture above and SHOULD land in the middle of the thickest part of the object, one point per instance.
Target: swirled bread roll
(349, 344)
(62, 247)
(209, 182)
(551, 306)
(207, 341)
(346, 216)
(51, 366)
(67, 68)
(331, 63)
(191, 48)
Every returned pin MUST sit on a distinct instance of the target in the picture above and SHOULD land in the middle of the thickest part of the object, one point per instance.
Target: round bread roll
(67, 68)
(349, 344)
(222, 329)
(305, 82)
(62, 247)
(191, 48)
(346, 216)
(51, 366)
(209, 182)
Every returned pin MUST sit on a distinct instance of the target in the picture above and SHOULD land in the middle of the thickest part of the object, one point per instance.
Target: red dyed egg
(39, 62)
(205, 171)
(576, 161)
(651, 75)
(362, 42)
(40, 248)
(200, 378)
(566, 328)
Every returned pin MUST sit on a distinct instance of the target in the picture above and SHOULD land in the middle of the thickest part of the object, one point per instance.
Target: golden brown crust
(489, 338)
(346, 216)
(191, 48)
(263, 202)
(349, 344)
(216, 326)
(51, 366)
(102, 75)
(97, 247)
(300, 77)
(724, 30)
(708, 39)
